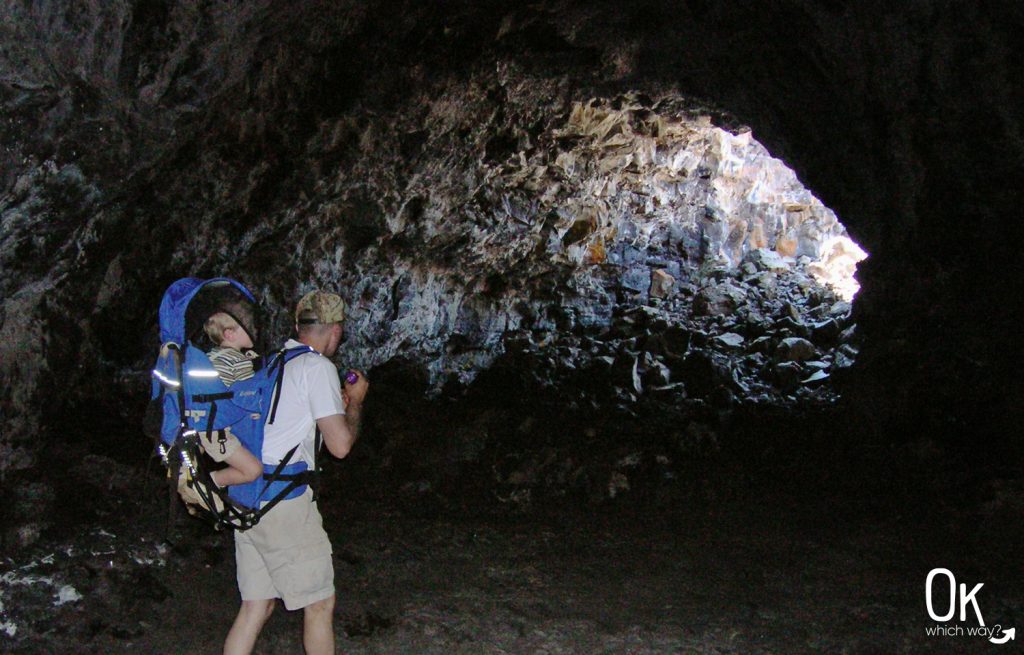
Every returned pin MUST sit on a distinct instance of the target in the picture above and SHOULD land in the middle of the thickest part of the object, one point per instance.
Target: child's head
(224, 330)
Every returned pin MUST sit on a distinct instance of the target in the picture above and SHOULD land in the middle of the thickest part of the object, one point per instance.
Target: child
(233, 365)
(231, 340)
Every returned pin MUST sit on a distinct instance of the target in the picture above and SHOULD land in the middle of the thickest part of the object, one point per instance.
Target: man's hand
(354, 394)
(340, 432)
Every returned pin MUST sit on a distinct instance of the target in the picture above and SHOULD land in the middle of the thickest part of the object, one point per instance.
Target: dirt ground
(758, 574)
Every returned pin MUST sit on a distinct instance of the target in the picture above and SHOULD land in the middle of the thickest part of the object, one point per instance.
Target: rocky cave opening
(623, 398)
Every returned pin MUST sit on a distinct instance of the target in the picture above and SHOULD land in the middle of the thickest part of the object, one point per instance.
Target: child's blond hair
(216, 324)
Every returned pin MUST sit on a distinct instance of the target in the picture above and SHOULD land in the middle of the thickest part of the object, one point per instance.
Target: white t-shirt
(310, 390)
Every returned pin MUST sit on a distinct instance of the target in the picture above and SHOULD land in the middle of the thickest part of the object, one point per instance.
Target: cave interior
(599, 266)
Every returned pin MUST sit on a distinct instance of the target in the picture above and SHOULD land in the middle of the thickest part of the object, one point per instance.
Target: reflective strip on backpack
(166, 380)
(202, 374)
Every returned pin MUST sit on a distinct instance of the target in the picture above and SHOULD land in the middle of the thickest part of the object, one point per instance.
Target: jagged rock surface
(437, 165)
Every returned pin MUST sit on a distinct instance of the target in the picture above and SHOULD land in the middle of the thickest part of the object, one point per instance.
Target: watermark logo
(943, 598)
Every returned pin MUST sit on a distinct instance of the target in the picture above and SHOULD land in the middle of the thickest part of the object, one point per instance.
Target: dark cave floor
(768, 571)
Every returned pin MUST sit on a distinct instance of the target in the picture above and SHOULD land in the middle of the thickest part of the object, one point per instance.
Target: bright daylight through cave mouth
(722, 276)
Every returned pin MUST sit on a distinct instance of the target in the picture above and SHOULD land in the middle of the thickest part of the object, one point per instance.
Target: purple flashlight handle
(351, 377)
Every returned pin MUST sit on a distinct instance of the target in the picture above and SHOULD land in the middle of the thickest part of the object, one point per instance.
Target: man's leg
(318, 627)
(251, 617)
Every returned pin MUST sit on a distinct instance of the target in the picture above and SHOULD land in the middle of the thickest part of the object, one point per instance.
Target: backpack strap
(179, 365)
(278, 383)
(174, 469)
(282, 359)
(212, 397)
(315, 482)
(294, 480)
(171, 455)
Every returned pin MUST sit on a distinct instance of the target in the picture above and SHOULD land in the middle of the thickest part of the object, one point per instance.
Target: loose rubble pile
(765, 332)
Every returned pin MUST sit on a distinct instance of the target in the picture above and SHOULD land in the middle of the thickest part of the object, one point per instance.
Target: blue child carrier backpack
(187, 390)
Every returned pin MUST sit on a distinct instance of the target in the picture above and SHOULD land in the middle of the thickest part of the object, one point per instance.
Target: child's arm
(223, 446)
(242, 467)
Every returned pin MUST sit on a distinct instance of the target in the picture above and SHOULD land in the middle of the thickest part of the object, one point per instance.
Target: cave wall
(340, 144)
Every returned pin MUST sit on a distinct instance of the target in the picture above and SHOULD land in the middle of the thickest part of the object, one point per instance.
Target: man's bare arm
(340, 431)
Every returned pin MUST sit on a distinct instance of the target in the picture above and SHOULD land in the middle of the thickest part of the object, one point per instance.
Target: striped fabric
(232, 364)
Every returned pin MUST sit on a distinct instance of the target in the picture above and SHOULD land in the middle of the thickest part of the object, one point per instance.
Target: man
(287, 554)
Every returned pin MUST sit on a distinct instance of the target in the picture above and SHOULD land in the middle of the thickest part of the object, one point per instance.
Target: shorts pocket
(309, 573)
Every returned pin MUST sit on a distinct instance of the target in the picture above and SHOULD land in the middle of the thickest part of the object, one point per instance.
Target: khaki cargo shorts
(287, 555)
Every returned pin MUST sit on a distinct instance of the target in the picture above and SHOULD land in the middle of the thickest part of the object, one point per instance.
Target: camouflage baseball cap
(320, 307)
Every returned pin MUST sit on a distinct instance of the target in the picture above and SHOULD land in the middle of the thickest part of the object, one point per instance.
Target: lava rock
(842, 361)
(767, 281)
(661, 283)
(655, 345)
(815, 378)
(825, 332)
(676, 341)
(700, 373)
(657, 375)
(767, 260)
(729, 341)
(718, 300)
(699, 338)
(840, 309)
(763, 345)
(787, 375)
(789, 326)
(795, 349)
(755, 326)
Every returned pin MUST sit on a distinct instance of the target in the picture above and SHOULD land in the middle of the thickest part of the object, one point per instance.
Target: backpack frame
(192, 400)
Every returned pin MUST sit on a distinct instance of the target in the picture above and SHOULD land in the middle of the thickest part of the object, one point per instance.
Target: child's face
(236, 337)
